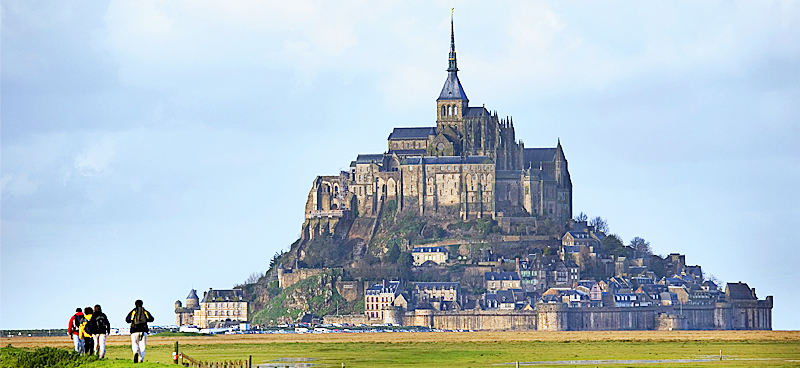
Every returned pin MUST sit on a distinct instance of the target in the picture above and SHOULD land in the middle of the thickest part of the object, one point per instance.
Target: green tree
(404, 263)
(641, 247)
(600, 224)
(393, 253)
(275, 259)
(613, 245)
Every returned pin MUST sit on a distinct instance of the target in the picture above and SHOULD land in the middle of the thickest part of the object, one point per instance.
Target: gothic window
(449, 110)
(444, 112)
(455, 110)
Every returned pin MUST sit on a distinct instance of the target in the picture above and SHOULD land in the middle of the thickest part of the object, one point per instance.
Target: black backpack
(99, 324)
(89, 328)
(139, 317)
(76, 322)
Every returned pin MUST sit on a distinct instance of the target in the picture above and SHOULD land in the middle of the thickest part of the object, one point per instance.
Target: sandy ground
(397, 337)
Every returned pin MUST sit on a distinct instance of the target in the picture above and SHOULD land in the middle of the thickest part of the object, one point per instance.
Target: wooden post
(250, 362)
(175, 354)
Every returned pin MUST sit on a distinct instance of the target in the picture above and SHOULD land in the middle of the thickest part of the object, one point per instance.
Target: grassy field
(477, 349)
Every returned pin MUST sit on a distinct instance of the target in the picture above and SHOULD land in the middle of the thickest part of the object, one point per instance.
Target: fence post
(250, 362)
(175, 354)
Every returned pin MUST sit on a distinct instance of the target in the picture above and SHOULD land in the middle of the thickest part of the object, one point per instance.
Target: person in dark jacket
(138, 318)
(100, 329)
(74, 330)
(85, 334)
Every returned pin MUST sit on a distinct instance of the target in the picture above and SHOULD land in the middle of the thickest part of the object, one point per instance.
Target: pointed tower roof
(192, 295)
(452, 89)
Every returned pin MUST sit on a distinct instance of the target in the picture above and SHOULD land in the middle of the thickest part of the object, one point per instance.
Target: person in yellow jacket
(88, 341)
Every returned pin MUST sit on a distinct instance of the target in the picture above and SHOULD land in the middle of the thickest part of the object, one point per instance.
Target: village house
(221, 307)
(437, 291)
(501, 281)
(382, 295)
(436, 255)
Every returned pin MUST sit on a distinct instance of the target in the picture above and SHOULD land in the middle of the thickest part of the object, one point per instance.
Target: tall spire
(452, 89)
(452, 68)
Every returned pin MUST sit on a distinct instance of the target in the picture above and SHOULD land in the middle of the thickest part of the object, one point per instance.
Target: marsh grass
(480, 349)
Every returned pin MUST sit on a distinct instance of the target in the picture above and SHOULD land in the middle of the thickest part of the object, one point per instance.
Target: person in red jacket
(74, 330)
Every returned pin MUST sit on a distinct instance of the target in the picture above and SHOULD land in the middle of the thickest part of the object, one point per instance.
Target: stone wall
(289, 277)
(353, 319)
(669, 322)
(559, 317)
(744, 315)
(350, 290)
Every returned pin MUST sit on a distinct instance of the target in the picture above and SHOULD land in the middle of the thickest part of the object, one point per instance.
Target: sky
(152, 147)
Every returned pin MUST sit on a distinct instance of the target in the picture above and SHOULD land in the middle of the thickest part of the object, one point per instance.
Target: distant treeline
(60, 332)
(49, 332)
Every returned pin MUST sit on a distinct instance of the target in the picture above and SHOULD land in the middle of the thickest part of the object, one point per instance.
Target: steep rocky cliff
(316, 295)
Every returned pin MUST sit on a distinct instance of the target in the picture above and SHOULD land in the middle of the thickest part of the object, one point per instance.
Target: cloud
(18, 185)
(96, 159)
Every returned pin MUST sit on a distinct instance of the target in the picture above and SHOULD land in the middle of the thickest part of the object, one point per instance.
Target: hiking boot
(136, 357)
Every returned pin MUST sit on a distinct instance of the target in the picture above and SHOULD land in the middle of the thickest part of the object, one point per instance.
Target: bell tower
(452, 103)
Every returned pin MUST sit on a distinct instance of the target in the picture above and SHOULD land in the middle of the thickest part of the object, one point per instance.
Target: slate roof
(412, 133)
(437, 285)
(389, 287)
(579, 234)
(508, 174)
(571, 263)
(232, 295)
(429, 250)
(572, 249)
(368, 158)
(409, 152)
(444, 160)
(193, 295)
(738, 291)
(477, 111)
(505, 296)
(452, 89)
(539, 154)
(501, 276)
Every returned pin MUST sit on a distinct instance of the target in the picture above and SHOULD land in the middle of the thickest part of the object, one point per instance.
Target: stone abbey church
(468, 166)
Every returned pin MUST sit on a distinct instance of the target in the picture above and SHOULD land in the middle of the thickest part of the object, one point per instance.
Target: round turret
(393, 316)
(178, 304)
(192, 301)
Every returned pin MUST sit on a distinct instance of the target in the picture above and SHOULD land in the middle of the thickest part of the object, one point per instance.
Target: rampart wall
(754, 315)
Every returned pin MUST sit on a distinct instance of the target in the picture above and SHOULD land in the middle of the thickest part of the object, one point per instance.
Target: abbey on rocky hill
(469, 166)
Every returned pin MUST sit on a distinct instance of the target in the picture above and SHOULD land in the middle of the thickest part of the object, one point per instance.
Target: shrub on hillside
(42, 357)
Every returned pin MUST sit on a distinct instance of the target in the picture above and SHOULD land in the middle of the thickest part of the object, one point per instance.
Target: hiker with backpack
(88, 342)
(138, 318)
(74, 330)
(100, 329)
